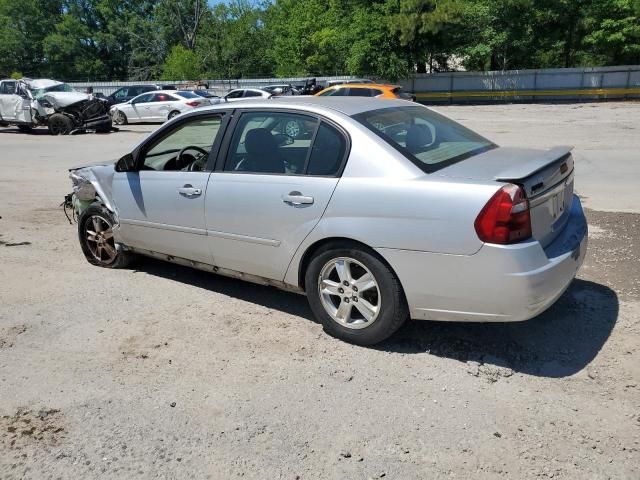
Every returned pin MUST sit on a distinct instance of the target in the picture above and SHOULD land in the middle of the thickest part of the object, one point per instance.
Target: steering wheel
(196, 164)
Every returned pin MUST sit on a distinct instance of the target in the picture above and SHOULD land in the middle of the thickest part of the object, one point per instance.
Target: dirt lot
(163, 372)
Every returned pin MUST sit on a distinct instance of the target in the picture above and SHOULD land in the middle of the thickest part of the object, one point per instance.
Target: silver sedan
(378, 211)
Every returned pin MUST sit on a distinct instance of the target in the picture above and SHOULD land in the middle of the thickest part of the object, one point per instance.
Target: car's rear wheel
(95, 231)
(355, 295)
(120, 118)
(59, 124)
(174, 113)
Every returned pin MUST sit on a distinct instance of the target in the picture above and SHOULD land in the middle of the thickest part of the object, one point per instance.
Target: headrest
(418, 137)
(259, 140)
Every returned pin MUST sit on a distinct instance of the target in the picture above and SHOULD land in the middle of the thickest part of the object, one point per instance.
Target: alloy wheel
(99, 237)
(292, 128)
(349, 293)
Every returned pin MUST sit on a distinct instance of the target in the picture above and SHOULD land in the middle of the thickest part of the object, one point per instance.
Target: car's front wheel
(95, 231)
(119, 118)
(59, 124)
(355, 295)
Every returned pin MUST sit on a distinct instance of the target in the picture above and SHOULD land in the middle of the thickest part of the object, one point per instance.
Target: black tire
(120, 118)
(393, 310)
(173, 114)
(100, 258)
(59, 124)
(24, 128)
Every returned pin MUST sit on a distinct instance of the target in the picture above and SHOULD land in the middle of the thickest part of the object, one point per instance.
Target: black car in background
(126, 93)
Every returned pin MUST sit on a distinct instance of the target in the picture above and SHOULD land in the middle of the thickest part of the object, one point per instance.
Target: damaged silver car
(380, 212)
(28, 104)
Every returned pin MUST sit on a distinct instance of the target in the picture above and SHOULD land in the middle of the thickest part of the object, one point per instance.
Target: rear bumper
(500, 283)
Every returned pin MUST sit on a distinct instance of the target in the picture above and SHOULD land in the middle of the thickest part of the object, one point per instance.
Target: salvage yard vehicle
(243, 93)
(157, 106)
(387, 211)
(366, 90)
(29, 103)
(128, 92)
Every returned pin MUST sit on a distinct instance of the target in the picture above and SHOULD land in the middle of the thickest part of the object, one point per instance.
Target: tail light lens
(193, 104)
(505, 218)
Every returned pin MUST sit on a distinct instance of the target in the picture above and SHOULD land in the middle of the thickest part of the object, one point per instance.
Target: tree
(182, 64)
(23, 27)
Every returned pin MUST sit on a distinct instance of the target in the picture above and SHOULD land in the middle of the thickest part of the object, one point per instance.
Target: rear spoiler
(526, 169)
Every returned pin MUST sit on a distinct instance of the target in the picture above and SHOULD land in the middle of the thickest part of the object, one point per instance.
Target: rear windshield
(186, 94)
(428, 139)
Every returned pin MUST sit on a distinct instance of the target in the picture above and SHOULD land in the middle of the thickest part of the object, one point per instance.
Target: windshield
(428, 139)
(61, 87)
(186, 94)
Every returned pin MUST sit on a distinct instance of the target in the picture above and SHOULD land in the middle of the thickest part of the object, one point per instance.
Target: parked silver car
(158, 106)
(384, 211)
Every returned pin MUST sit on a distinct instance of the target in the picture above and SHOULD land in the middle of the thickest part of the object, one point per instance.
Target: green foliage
(194, 39)
(16, 75)
(182, 64)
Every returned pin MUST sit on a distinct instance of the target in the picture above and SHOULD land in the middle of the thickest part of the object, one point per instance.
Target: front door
(15, 106)
(141, 108)
(271, 190)
(160, 206)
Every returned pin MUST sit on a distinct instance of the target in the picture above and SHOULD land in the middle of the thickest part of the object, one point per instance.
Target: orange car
(366, 90)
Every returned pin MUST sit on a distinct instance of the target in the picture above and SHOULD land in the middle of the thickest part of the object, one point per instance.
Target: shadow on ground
(17, 131)
(560, 342)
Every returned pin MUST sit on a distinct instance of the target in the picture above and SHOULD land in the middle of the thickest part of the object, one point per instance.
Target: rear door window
(287, 144)
(328, 151)
(251, 93)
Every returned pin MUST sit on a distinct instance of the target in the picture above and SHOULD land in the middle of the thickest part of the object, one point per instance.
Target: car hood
(64, 99)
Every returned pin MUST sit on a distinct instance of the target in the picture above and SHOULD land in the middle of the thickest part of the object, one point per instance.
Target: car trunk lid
(545, 175)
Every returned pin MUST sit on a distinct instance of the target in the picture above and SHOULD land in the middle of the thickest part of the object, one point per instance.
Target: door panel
(252, 228)
(156, 214)
(161, 206)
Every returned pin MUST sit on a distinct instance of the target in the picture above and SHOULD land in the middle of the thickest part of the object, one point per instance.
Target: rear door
(160, 105)
(160, 206)
(270, 190)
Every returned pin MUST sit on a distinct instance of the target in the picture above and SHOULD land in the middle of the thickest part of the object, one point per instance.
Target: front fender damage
(92, 184)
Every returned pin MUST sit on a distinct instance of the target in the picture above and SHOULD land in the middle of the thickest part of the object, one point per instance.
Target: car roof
(347, 105)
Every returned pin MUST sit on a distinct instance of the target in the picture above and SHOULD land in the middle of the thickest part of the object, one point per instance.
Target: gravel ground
(164, 372)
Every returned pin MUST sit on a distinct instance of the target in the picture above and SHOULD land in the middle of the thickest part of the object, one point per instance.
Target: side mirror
(126, 164)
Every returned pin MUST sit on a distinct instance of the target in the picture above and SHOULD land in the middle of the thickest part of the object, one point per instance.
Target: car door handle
(189, 191)
(296, 198)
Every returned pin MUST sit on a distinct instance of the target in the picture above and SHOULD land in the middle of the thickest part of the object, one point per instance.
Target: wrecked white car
(29, 103)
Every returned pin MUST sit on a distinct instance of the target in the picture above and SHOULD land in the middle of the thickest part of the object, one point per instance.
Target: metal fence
(217, 86)
(558, 84)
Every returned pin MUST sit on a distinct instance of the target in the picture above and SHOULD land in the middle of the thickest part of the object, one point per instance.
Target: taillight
(193, 104)
(505, 218)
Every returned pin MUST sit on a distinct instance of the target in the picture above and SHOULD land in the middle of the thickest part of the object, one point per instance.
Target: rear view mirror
(126, 164)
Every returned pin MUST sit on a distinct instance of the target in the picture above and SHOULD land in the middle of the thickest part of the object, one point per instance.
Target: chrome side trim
(219, 270)
(244, 238)
(164, 226)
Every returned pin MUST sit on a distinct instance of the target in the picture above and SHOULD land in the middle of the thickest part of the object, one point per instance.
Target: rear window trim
(425, 167)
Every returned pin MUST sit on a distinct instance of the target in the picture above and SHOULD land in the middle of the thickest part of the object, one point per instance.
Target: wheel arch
(338, 242)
